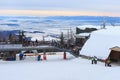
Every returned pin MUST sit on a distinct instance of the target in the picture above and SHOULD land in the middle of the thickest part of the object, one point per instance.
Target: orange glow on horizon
(55, 13)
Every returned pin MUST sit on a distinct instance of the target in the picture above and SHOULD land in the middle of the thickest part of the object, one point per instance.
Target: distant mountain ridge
(51, 19)
(42, 24)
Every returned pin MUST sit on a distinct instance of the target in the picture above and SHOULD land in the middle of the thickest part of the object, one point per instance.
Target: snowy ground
(55, 68)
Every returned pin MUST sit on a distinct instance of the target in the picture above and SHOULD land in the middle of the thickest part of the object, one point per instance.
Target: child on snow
(39, 58)
(21, 56)
(108, 62)
(93, 60)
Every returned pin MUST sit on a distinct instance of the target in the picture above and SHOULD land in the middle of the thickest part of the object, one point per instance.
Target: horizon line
(57, 13)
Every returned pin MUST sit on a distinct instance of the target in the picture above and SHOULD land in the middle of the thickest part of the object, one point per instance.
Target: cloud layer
(97, 6)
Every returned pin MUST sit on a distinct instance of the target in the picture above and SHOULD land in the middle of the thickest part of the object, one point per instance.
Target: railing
(74, 50)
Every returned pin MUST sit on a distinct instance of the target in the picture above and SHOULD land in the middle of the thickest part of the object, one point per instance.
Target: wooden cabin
(81, 38)
(115, 54)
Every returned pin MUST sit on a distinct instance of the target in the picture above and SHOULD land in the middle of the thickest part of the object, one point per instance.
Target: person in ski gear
(92, 60)
(21, 56)
(39, 58)
(108, 62)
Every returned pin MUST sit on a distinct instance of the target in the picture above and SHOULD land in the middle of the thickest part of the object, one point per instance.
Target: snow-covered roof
(88, 26)
(101, 41)
(116, 48)
(82, 35)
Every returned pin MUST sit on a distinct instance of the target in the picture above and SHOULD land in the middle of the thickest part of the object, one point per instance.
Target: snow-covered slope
(101, 41)
(57, 69)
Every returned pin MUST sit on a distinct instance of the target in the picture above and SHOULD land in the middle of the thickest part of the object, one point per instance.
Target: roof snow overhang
(82, 35)
(116, 48)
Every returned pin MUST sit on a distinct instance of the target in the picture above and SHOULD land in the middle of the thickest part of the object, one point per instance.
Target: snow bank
(101, 41)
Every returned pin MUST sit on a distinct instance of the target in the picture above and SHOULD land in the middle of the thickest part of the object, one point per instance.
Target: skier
(21, 56)
(92, 60)
(108, 62)
(39, 58)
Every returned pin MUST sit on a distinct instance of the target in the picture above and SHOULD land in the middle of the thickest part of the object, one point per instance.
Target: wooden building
(115, 53)
(81, 38)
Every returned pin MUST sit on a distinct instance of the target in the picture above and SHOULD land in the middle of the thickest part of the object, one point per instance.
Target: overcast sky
(97, 6)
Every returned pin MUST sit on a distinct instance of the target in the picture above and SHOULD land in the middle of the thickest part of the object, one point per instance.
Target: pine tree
(62, 38)
(21, 36)
(10, 38)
